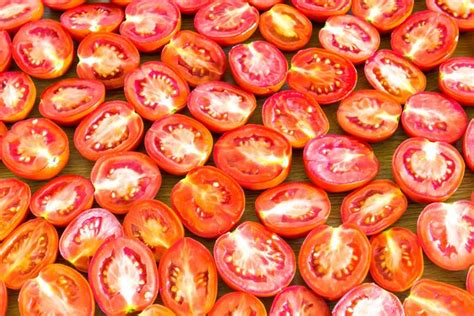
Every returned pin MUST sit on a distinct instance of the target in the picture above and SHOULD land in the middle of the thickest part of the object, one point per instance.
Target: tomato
(29, 248)
(254, 260)
(111, 128)
(3, 298)
(320, 10)
(427, 171)
(389, 72)
(17, 96)
(220, 106)
(191, 6)
(35, 149)
(264, 5)
(434, 117)
(62, 4)
(339, 163)
(296, 115)
(5, 51)
(107, 57)
(258, 67)
(461, 11)
(67, 101)
(324, 75)
(15, 198)
(188, 278)
(256, 156)
(427, 38)
(368, 299)
(238, 303)
(298, 300)
(470, 280)
(468, 145)
(293, 209)
(62, 199)
(121, 2)
(384, 15)
(155, 224)
(15, 13)
(208, 201)
(374, 207)
(43, 49)
(333, 260)
(157, 310)
(84, 235)
(91, 18)
(3, 131)
(455, 79)
(155, 90)
(194, 57)
(58, 289)
(227, 22)
(123, 276)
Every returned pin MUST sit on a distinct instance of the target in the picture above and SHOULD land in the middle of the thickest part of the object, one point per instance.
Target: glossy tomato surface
(455, 79)
(17, 96)
(460, 11)
(5, 51)
(468, 145)
(298, 300)
(15, 198)
(320, 10)
(191, 6)
(16, 13)
(239, 303)
(384, 15)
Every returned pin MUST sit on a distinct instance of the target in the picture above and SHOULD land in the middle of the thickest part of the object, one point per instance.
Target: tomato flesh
(5, 51)
(322, 9)
(468, 145)
(17, 96)
(17, 13)
(455, 79)
(239, 303)
(298, 300)
(384, 15)
(460, 11)
(15, 198)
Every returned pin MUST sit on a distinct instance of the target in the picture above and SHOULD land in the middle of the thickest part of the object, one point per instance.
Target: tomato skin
(32, 12)
(298, 300)
(191, 6)
(3, 298)
(384, 20)
(468, 145)
(157, 310)
(264, 5)
(5, 51)
(463, 15)
(3, 131)
(24, 96)
(15, 197)
(470, 280)
(238, 302)
(321, 10)
(62, 4)
(458, 89)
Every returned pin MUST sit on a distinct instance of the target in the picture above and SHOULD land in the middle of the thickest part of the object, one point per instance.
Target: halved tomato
(296, 115)
(62, 4)
(155, 90)
(194, 57)
(5, 51)
(434, 117)
(17, 96)
(455, 79)
(15, 198)
(16, 13)
(29, 248)
(221, 106)
(468, 145)
(339, 163)
(3, 298)
(191, 6)
(470, 280)
(238, 303)
(62, 199)
(188, 278)
(333, 260)
(322, 74)
(155, 224)
(369, 115)
(112, 128)
(123, 276)
(84, 235)
(43, 49)
(107, 57)
(427, 38)
(178, 143)
(256, 156)
(374, 207)
(3, 131)
(293, 209)
(258, 67)
(389, 72)
(58, 289)
(298, 300)
(157, 310)
(264, 5)
(427, 171)
(322, 9)
(35, 149)
(151, 24)
(67, 101)
(227, 22)
(461, 11)
(208, 201)
(384, 15)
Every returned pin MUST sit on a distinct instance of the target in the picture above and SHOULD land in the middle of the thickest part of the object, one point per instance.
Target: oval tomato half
(19, 12)
(455, 79)
(62, 4)
(15, 198)
(298, 300)
(384, 15)
(17, 96)
(5, 51)
(3, 298)
(322, 9)
(239, 303)
(460, 11)
(468, 145)
(191, 6)
(157, 310)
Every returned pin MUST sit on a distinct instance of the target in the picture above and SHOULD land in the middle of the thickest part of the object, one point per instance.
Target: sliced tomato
(468, 145)
(296, 115)
(29, 248)
(67, 101)
(264, 5)
(256, 156)
(155, 90)
(35, 149)
(5, 51)
(254, 260)
(17, 96)
(470, 280)
(191, 6)
(238, 303)
(107, 57)
(123, 276)
(3, 298)
(3, 131)
(384, 15)
(85, 234)
(455, 79)
(112, 128)
(155, 224)
(427, 171)
(151, 24)
(221, 106)
(333, 260)
(15, 198)
(298, 300)
(374, 207)
(157, 310)
(195, 58)
(461, 11)
(16, 13)
(58, 289)
(434, 117)
(63, 4)
(188, 278)
(322, 9)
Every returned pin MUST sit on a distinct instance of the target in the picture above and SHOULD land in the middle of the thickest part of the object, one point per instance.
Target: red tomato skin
(63, 4)
(3, 131)
(468, 145)
(157, 310)
(22, 191)
(464, 19)
(464, 66)
(470, 280)
(35, 12)
(384, 21)
(3, 298)
(5, 51)
(238, 302)
(299, 299)
(321, 13)
(18, 112)
(264, 5)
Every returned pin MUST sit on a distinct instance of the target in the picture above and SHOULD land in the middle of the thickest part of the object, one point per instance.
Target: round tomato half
(470, 280)
(157, 310)
(322, 9)
(461, 11)
(384, 15)
(238, 303)
(62, 4)
(468, 145)
(298, 300)
(15, 198)
(19, 12)
(5, 51)
(455, 79)
(17, 96)
(3, 298)
(191, 6)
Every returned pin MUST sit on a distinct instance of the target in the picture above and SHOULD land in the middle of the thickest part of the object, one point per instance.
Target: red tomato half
(298, 300)
(264, 5)
(191, 6)
(238, 303)
(17, 96)
(384, 15)
(258, 67)
(455, 79)
(63, 4)
(434, 117)
(35, 149)
(296, 115)
(29, 248)
(58, 289)
(470, 280)
(157, 310)
(427, 38)
(468, 145)
(84, 235)
(339, 163)
(18, 12)
(5, 51)
(15, 198)
(461, 11)
(123, 276)
(427, 171)
(256, 156)
(322, 9)
(3, 298)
